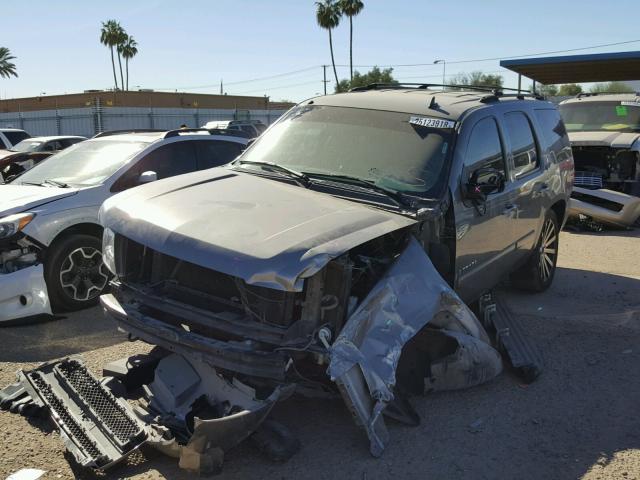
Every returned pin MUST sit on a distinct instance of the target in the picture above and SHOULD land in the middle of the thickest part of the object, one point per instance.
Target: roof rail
(494, 92)
(229, 133)
(178, 131)
(108, 133)
(595, 94)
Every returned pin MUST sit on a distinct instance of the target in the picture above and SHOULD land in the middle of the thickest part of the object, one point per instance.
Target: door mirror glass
(147, 177)
(484, 181)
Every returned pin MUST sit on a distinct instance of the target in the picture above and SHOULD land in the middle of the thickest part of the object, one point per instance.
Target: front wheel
(74, 272)
(537, 274)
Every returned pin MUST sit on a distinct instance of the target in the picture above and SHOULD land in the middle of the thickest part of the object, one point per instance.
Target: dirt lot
(579, 420)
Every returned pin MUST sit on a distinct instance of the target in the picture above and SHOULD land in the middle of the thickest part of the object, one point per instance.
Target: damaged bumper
(23, 293)
(605, 206)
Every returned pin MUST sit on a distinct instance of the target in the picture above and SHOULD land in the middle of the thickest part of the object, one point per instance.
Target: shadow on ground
(51, 338)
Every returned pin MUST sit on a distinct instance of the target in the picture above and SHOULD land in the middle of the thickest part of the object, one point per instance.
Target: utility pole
(325, 81)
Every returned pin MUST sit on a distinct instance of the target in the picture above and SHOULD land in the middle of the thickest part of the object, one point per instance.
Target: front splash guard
(366, 353)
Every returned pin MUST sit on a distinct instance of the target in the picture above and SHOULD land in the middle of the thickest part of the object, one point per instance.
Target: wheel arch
(85, 228)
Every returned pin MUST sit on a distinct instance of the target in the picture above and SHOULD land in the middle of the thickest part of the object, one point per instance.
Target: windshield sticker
(432, 122)
(621, 110)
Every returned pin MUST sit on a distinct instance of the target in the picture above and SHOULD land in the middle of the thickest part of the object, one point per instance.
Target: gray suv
(337, 253)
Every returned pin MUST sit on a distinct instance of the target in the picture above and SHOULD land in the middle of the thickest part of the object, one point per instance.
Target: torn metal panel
(286, 234)
(367, 351)
(612, 208)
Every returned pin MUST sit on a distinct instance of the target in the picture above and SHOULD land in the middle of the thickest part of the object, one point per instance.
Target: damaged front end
(345, 332)
(23, 291)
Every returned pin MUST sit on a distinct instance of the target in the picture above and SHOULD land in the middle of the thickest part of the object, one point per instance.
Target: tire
(74, 272)
(537, 274)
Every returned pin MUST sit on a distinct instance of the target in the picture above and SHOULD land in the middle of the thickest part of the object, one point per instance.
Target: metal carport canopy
(598, 67)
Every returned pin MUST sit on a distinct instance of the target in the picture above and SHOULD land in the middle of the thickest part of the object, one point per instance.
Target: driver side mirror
(484, 181)
(147, 177)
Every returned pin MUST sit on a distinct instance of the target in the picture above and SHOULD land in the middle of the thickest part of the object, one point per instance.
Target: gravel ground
(578, 420)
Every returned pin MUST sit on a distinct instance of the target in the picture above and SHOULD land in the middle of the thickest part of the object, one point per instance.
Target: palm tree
(7, 68)
(121, 40)
(328, 17)
(129, 50)
(351, 8)
(109, 38)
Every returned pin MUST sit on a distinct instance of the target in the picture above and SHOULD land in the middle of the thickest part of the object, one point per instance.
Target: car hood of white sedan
(20, 198)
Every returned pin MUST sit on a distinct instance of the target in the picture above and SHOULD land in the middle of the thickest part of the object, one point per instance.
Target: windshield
(376, 146)
(83, 164)
(26, 146)
(603, 116)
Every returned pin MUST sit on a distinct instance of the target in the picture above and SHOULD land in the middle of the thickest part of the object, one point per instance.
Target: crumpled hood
(20, 198)
(266, 232)
(609, 139)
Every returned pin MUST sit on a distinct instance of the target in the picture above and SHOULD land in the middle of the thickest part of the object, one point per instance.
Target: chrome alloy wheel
(548, 249)
(83, 275)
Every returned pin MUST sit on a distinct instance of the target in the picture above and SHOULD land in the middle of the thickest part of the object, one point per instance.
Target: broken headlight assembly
(108, 250)
(13, 224)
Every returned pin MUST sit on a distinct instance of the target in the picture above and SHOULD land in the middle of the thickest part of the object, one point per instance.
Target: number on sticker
(432, 122)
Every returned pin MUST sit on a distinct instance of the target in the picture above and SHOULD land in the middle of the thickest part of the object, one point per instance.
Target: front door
(485, 234)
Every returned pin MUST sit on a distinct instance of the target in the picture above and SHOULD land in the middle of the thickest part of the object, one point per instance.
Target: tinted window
(166, 161)
(523, 144)
(16, 137)
(484, 149)
(248, 129)
(554, 133)
(214, 154)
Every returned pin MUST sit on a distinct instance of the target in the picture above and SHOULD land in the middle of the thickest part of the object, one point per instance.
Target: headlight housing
(108, 249)
(13, 224)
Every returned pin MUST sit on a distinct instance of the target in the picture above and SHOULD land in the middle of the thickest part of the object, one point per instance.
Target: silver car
(50, 239)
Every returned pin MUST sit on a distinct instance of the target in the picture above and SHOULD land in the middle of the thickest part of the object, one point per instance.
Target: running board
(510, 338)
(97, 428)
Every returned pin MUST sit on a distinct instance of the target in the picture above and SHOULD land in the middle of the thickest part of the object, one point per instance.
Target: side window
(248, 129)
(555, 134)
(215, 153)
(523, 144)
(16, 136)
(484, 149)
(167, 161)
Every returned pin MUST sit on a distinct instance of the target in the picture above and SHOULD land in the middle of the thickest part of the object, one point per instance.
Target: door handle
(541, 187)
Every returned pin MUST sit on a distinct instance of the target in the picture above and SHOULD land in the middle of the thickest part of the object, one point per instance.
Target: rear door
(485, 236)
(527, 179)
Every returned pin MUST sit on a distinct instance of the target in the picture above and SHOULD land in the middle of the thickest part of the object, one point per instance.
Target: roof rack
(495, 92)
(108, 133)
(595, 94)
(229, 133)
(178, 131)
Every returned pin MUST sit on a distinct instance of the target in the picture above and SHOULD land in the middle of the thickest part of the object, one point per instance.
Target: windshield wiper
(55, 183)
(368, 184)
(274, 167)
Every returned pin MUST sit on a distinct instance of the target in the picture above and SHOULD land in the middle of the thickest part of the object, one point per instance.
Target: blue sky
(196, 43)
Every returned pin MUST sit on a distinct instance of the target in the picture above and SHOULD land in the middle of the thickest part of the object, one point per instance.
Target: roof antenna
(433, 105)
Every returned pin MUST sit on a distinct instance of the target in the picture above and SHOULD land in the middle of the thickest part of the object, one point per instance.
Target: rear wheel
(537, 274)
(74, 272)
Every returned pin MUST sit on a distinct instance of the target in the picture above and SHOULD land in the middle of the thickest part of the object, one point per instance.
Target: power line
(280, 87)
(498, 58)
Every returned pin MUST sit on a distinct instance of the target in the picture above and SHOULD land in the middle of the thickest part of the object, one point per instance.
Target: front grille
(59, 410)
(101, 401)
(588, 180)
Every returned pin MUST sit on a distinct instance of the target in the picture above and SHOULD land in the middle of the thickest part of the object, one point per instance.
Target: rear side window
(484, 149)
(554, 133)
(214, 154)
(167, 161)
(16, 137)
(523, 144)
